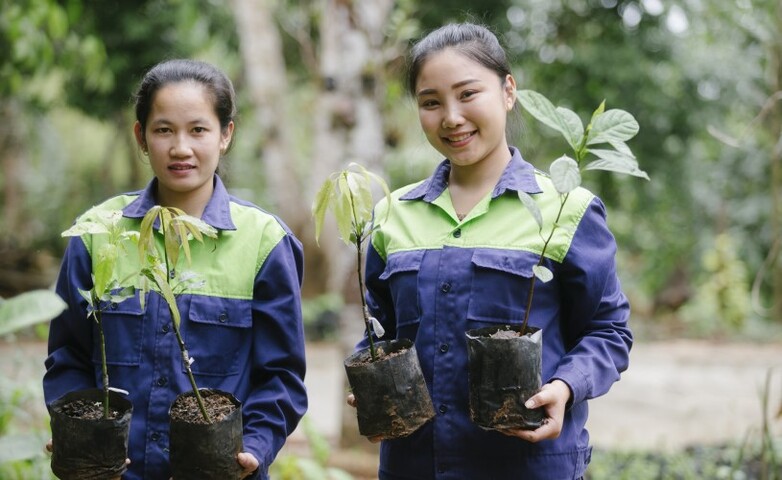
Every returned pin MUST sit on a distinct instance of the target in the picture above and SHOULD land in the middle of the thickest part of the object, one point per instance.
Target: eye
(162, 130)
(468, 93)
(199, 129)
(428, 103)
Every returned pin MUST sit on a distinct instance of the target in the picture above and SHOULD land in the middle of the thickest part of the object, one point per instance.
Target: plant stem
(104, 368)
(359, 243)
(181, 342)
(364, 309)
(540, 262)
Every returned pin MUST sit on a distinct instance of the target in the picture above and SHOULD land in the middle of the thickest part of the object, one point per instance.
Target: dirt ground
(675, 394)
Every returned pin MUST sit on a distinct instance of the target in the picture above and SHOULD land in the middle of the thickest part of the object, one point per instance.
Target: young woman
(456, 253)
(243, 326)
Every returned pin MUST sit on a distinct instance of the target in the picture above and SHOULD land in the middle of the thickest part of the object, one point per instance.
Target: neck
(192, 203)
(468, 184)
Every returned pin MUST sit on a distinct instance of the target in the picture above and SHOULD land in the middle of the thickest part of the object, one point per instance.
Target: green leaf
(614, 161)
(321, 205)
(85, 228)
(573, 128)
(560, 119)
(612, 126)
(532, 207)
(542, 273)
(565, 174)
(343, 210)
(29, 308)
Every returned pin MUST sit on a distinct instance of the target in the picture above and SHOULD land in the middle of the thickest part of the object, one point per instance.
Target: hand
(553, 397)
(248, 462)
(352, 402)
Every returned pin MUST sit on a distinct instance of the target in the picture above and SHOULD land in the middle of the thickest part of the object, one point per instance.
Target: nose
(452, 116)
(180, 147)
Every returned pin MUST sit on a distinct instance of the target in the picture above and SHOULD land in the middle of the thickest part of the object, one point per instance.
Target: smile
(180, 166)
(455, 139)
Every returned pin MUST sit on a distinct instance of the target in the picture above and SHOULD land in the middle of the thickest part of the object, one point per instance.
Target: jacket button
(223, 317)
(154, 437)
(444, 347)
(442, 409)
(166, 328)
(457, 233)
(162, 381)
(445, 287)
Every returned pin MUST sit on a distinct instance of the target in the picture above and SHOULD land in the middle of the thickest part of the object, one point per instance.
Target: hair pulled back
(164, 73)
(473, 41)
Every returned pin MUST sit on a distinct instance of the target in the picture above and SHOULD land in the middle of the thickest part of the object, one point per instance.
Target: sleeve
(595, 311)
(68, 365)
(378, 296)
(278, 398)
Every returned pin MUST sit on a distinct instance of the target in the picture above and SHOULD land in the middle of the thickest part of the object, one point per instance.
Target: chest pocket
(500, 284)
(123, 328)
(402, 275)
(218, 333)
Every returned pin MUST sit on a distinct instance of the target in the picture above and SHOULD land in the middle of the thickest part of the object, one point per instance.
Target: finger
(248, 462)
(48, 446)
(351, 400)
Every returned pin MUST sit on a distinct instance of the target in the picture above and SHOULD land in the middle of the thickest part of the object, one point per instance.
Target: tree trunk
(348, 123)
(346, 126)
(12, 150)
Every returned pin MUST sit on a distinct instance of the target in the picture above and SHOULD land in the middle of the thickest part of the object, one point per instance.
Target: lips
(458, 140)
(181, 166)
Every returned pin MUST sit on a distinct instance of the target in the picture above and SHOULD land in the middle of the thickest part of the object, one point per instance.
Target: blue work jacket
(243, 327)
(431, 277)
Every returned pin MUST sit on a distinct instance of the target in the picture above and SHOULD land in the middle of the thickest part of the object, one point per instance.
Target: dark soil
(87, 410)
(505, 334)
(185, 408)
(381, 355)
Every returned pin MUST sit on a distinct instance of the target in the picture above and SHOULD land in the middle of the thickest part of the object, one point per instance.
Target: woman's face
(184, 141)
(463, 108)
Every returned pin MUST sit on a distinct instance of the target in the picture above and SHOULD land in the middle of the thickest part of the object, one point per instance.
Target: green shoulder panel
(501, 223)
(228, 265)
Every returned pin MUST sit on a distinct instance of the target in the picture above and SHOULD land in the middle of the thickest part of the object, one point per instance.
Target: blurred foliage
(698, 77)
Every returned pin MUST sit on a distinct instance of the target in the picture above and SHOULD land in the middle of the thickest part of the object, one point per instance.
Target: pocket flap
(403, 262)
(505, 261)
(221, 311)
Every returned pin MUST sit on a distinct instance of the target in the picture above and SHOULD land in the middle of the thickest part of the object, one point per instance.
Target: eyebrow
(430, 91)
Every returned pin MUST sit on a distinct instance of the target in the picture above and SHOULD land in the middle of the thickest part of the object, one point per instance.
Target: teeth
(459, 138)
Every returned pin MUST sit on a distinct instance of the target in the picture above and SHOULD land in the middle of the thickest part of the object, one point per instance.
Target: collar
(519, 175)
(217, 212)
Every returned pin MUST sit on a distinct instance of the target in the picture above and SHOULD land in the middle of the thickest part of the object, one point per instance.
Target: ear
(510, 92)
(226, 136)
(139, 136)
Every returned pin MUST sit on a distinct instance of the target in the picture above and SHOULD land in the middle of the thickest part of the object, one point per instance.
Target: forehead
(450, 66)
(183, 97)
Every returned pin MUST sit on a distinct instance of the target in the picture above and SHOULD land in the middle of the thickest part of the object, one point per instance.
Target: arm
(69, 365)
(277, 399)
(594, 311)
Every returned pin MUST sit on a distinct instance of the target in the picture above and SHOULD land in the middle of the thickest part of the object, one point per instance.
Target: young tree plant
(106, 288)
(603, 142)
(348, 194)
(159, 268)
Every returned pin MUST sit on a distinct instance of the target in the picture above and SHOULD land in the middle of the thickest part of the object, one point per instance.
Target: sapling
(348, 194)
(177, 229)
(106, 288)
(610, 129)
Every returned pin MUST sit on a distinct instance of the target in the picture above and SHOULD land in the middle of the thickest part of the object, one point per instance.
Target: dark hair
(474, 41)
(173, 71)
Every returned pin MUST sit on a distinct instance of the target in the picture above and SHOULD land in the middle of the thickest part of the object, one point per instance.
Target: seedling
(610, 129)
(159, 268)
(106, 288)
(348, 194)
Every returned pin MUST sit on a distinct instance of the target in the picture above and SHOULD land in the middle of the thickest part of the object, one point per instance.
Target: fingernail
(530, 404)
